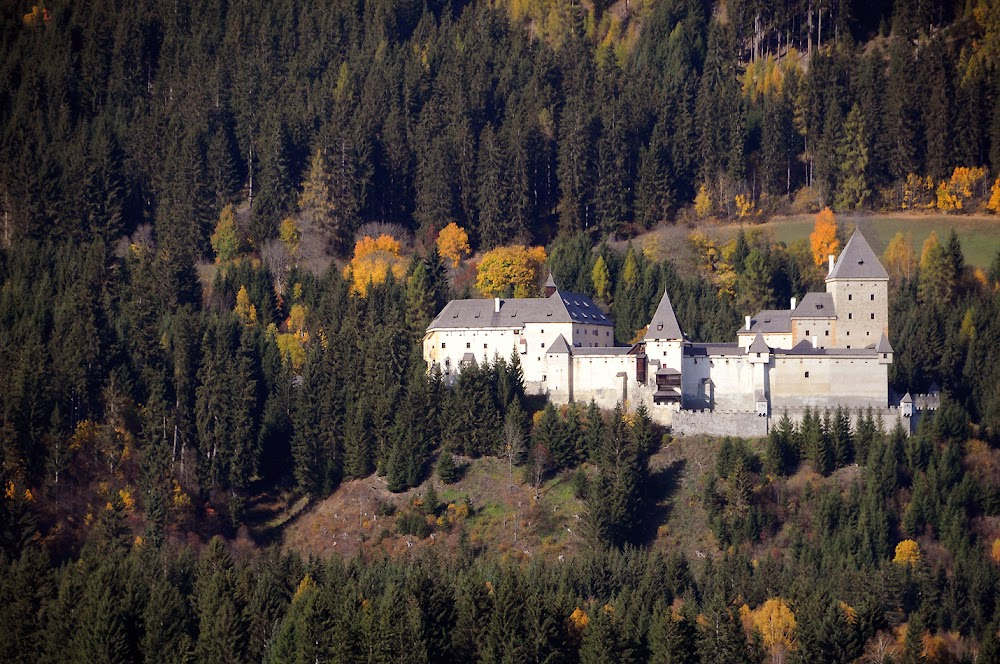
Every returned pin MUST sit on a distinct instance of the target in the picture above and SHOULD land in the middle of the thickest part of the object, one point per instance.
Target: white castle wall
(853, 382)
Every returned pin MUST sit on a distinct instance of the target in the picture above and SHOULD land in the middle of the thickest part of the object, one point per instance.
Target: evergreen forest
(225, 226)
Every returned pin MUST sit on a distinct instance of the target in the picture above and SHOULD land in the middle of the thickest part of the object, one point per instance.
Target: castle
(831, 349)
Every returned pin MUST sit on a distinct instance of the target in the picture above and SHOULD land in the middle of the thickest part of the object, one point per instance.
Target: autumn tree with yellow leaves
(374, 259)
(900, 260)
(225, 239)
(907, 553)
(775, 622)
(959, 192)
(453, 243)
(514, 269)
(994, 203)
(824, 240)
(245, 309)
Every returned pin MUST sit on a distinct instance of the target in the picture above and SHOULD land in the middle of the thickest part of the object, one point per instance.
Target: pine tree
(777, 145)
(490, 195)
(854, 190)
(673, 638)
(612, 198)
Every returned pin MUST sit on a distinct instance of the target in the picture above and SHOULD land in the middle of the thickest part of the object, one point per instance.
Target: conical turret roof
(664, 324)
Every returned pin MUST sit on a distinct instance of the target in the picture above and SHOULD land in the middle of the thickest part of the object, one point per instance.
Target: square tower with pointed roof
(859, 286)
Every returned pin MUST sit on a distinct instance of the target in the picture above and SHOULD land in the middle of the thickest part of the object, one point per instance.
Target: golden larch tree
(453, 243)
(225, 239)
(602, 279)
(824, 240)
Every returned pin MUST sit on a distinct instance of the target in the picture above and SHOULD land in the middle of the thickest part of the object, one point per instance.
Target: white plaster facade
(831, 349)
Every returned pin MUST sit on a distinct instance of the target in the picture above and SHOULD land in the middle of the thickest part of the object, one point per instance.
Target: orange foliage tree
(823, 239)
(453, 243)
(373, 260)
(959, 191)
(515, 268)
(994, 203)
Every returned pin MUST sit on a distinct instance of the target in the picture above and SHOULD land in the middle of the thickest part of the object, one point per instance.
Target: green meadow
(980, 235)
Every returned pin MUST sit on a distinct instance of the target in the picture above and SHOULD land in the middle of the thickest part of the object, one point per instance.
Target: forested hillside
(225, 226)
(511, 120)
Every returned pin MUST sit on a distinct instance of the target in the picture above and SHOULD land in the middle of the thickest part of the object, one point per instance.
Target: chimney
(831, 258)
(793, 304)
(814, 342)
(748, 322)
(496, 305)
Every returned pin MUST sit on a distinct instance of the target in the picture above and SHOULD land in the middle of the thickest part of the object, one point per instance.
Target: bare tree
(275, 255)
(513, 436)
(541, 461)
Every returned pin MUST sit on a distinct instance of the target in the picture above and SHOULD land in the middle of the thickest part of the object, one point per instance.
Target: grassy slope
(549, 521)
(980, 235)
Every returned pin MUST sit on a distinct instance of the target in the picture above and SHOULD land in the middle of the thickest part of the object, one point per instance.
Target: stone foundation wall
(749, 425)
(718, 423)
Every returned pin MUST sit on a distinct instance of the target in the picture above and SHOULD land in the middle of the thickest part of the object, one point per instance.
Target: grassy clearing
(980, 235)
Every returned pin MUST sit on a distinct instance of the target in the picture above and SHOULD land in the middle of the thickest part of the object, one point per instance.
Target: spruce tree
(854, 190)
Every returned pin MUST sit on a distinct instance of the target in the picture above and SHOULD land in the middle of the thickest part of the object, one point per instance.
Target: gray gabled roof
(550, 282)
(858, 261)
(664, 324)
(770, 321)
(816, 305)
(883, 345)
(559, 346)
(758, 345)
(560, 307)
(576, 308)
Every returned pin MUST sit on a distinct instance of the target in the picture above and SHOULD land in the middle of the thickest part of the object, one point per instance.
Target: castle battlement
(829, 349)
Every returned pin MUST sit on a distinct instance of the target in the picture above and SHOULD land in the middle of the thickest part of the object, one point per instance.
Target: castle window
(543, 344)
(827, 333)
(848, 333)
(468, 344)
(807, 333)
(850, 316)
(807, 374)
(848, 346)
(484, 346)
(543, 378)
(873, 297)
(442, 345)
(873, 316)
(849, 297)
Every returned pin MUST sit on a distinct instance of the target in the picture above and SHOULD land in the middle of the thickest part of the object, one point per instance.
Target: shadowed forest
(225, 226)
